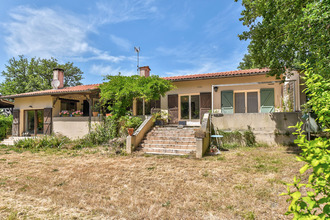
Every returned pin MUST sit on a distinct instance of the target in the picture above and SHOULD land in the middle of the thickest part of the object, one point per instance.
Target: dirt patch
(239, 184)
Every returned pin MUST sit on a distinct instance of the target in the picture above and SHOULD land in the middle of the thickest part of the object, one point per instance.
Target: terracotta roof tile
(218, 74)
(74, 89)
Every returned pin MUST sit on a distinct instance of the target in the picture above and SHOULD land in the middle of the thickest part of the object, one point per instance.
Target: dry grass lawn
(95, 184)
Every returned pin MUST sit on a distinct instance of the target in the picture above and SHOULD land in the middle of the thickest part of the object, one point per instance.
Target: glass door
(184, 107)
(34, 122)
(190, 108)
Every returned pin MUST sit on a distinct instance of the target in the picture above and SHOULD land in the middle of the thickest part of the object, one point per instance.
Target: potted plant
(77, 113)
(64, 113)
(160, 118)
(131, 123)
(96, 109)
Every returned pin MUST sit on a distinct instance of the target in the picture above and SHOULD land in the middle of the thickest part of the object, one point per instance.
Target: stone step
(176, 134)
(169, 146)
(171, 138)
(173, 142)
(168, 154)
(168, 150)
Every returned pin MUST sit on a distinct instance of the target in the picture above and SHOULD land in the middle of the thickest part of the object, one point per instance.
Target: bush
(47, 141)
(311, 200)
(102, 133)
(235, 139)
(5, 125)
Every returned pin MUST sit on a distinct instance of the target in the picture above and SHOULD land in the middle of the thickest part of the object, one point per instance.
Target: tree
(288, 34)
(23, 75)
(119, 91)
(285, 34)
(247, 63)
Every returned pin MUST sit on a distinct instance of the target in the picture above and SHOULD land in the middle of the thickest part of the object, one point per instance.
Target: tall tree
(285, 33)
(23, 75)
(295, 34)
(247, 63)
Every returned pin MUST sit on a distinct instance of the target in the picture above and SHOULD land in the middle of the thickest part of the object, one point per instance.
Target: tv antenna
(137, 50)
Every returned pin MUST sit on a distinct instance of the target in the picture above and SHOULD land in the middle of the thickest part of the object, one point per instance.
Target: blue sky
(176, 37)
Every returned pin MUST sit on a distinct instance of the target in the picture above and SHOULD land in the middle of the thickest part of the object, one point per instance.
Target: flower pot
(95, 114)
(130, 131)
(108, 115)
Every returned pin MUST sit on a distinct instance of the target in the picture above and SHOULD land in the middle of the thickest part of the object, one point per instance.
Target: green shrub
(47, 141)
(5, 125)
(235, 139)
(102, 133)
(311, 200)
(249, 138)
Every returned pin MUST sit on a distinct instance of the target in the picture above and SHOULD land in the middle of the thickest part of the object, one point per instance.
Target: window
(70, 105)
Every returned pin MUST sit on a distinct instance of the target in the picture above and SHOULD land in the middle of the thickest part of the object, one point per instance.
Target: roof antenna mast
(137, 50)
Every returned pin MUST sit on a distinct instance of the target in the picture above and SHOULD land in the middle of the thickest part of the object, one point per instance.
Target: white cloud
(45, 33)
(124, 10)
(121, 42)
(110, 70)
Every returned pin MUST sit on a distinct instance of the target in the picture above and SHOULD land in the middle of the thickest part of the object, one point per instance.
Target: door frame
(179, 108)
(35, 121)
(245, 97)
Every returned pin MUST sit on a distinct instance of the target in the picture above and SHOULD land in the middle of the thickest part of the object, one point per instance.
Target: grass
(98, 183)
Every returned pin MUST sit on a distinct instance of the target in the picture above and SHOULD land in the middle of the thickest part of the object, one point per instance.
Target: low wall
(73, 127)
(270, 128)
(202, 143)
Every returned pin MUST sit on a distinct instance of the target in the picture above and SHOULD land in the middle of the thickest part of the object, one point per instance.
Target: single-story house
(245, 94)
(38, 113)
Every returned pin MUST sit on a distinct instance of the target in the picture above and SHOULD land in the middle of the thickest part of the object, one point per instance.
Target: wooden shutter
(240, 102)
(252, 102)
(227, 106)
(267, 100)
(48, 121)
(173, 110)
(205, 103)
(16, 122)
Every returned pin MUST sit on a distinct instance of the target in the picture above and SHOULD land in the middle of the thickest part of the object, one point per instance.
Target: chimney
(58, 78)
(145, 71)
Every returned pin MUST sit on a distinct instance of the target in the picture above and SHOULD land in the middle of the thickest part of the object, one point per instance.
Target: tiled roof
(218, 74)
(66, 90)
(6, 104)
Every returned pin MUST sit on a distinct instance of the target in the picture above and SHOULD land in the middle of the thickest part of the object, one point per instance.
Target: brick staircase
(170, 140)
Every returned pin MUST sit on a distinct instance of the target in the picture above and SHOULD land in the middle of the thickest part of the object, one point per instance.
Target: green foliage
(318, 91)
(235, 139)
(118, 93)
(249, 137)
(311, 200)
(5, 125)
(23, 75)
(47, 141)
(247, 63)
(129, 121)
(283, 34)
(101, 133)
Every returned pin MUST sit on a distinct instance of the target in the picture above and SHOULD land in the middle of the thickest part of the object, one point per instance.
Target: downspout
(212, 97)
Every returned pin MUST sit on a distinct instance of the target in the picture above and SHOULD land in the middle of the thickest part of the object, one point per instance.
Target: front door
(34, 122)
(189, 107)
